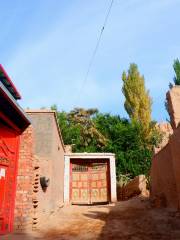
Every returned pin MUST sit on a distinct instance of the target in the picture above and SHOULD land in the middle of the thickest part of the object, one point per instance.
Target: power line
(96, 47)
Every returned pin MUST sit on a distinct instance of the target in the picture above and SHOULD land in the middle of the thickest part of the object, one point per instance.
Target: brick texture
(24, 192)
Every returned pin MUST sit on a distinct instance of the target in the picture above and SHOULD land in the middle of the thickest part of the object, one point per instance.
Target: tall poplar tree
(176, 67)
(137, 100)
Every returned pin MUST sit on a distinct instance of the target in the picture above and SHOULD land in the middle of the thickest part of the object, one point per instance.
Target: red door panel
(9, 143)
(3, 171)
(2, 185)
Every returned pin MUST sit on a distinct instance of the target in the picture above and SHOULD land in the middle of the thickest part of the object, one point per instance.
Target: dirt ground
(134, 219)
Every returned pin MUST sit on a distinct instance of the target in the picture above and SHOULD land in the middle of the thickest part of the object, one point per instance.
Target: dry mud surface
(129, 220)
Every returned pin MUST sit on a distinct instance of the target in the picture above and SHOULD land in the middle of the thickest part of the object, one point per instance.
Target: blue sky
(46, 46)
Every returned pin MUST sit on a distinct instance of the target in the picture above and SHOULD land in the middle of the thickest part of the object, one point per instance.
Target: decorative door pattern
(80, 183)
(99, 186)
(8, 170)
(89, 182)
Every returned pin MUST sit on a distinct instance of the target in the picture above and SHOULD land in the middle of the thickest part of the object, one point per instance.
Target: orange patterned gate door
(89, 182)
(79, 183)
(99, 182)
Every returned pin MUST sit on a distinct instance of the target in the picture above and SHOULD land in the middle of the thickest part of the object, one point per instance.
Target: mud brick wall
(165, 174)
(163, 181)
(166, 130)
(49, 150)
(165, 171)
(24, 190)
(36, 188)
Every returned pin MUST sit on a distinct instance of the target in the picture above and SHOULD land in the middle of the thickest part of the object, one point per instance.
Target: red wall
(9, 148)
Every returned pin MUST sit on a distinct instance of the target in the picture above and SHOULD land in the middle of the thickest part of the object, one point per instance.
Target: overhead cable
(96, 47)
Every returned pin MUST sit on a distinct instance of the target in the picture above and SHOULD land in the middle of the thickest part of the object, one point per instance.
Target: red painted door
(9, 144)
(3, 171)
(89, 181)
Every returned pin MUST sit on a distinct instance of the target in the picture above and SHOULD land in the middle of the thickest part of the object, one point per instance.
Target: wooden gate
(9, 143)
(89, 181)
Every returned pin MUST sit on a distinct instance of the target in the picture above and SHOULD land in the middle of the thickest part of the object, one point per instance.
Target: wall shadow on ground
(24, 236)
(137, 222)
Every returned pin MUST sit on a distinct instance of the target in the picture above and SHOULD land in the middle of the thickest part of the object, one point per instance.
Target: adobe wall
(175, 150)
(163, 182)
(165, 169)
(24, 191)
(49, 150)
(166, 130)
(57, 169)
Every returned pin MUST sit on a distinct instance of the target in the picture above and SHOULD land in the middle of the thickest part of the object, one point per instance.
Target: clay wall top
(173, 100)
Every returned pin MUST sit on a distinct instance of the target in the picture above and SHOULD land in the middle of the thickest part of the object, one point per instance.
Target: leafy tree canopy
(89, 134)
(90, 131)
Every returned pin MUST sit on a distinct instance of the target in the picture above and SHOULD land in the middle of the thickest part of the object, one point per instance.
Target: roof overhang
(6, 81)
(10, 109)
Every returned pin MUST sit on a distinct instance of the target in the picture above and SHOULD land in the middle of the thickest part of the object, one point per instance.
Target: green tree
(137, 100)
(90, 131)
(70, 132)
(90, 138)
(176, 79)
(133, 157)
(54, 107)
(176, 67)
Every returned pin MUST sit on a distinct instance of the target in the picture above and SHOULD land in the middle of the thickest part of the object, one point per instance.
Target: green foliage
(79, 130)
(54, 107)
(176, 67)
(70, 132)
(91, 131)
(90, 138)
(125, 139)
(176, 79)
(137, 100)
(123, 179)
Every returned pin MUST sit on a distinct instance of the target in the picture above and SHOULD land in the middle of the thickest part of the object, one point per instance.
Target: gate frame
(110, 157)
